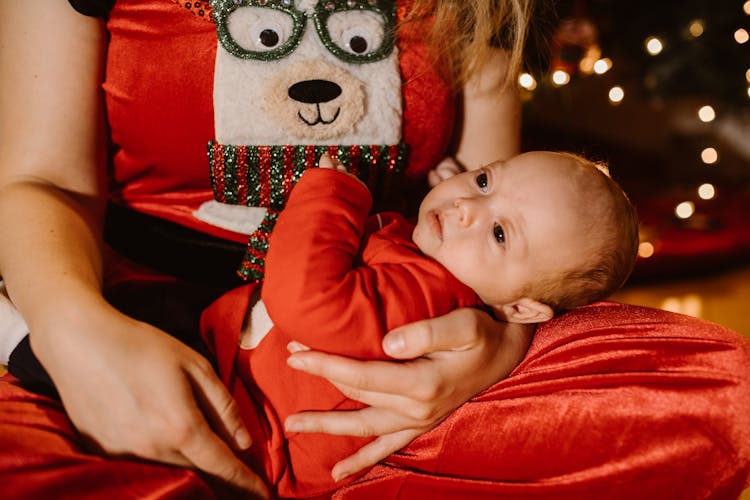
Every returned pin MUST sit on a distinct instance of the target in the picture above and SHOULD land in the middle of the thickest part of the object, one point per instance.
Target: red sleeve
(313, 289)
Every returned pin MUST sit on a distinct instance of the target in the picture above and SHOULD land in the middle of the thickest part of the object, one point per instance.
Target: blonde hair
(613, 248)
(461, 33)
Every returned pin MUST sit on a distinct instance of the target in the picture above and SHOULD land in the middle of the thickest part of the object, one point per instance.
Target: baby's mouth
(436, 223)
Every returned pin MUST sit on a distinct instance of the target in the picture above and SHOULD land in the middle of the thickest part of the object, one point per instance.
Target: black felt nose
(314, 91)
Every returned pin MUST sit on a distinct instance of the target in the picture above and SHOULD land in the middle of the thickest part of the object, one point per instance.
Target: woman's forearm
(490, 126)
(50, 259)
(52, 159)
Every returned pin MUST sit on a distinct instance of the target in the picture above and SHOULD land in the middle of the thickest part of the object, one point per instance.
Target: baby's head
(534, 235)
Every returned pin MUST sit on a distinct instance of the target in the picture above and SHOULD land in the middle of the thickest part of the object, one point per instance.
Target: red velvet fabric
(612, 401)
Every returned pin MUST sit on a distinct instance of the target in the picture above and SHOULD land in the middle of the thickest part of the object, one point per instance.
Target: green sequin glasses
(355, 31)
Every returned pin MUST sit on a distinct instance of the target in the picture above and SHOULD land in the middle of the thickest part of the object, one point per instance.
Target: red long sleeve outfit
(335, 288)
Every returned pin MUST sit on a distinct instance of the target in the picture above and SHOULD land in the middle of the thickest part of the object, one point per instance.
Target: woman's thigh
(611, 401)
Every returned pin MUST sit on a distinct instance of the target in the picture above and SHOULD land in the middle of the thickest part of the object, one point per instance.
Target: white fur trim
(257, 328)
(12, 326)
(237, 218)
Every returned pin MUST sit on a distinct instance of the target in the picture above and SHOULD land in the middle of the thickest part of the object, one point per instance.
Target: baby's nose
(466, 211)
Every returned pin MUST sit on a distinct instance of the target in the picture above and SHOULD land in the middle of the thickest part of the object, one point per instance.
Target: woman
(132, 390)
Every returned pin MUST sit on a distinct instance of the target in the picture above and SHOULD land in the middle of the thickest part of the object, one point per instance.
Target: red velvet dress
(336, 288)
(612, 401)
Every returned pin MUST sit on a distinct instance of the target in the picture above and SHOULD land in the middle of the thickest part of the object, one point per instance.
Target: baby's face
(499, 228)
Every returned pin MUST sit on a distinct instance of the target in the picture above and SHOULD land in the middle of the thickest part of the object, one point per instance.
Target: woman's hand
(130, 389)
(452, 358)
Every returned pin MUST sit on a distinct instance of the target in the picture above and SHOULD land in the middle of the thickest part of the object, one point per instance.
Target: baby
(524, 239)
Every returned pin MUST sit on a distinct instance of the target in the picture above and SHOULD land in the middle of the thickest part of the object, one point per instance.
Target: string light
(709, 156)
(527, 81)
(746, 7)
(747, 73)
(616, 94)
(741, 36)
(696, 28)
(706, 191)
(603, 65)
(645, 250)
(654, 46)
(685, 210)
(560, 78)
(706, 114)
(691, 304)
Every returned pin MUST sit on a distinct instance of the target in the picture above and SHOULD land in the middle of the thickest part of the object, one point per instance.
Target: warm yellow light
(527, 81)
(616, 94)
(709, 156)
(741, 36)
(560, 77)
(696, 28)
(746, 7)
(707, 191)
(603, 65)
(690, 304)
(685, 210)
(748, 91)
(706, 114)
(747, 75)
(653, 45)
(645, 250)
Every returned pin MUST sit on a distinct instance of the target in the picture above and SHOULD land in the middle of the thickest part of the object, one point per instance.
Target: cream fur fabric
(248, 93)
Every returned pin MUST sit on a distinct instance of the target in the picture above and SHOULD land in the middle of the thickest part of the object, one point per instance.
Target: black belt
(173, 249)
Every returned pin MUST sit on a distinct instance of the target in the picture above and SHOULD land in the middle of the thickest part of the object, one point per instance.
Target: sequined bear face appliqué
(313, 72)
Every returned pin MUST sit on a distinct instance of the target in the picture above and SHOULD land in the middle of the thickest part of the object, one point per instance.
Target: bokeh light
(741, 36)
(560, 77)
(696, 28)
(707, 191)
(645, 249)
(605, 64)
(527, 81)
(685, 210)
(709, 156)
(706, 114)
(654, 46)
(616, 94)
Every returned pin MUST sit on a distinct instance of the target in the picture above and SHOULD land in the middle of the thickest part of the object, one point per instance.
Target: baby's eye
(481, 181)
(499, 233)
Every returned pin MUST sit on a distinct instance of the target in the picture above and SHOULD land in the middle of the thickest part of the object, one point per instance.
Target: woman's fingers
(455, 331)
(373, 376)
(373, 452)
(366, 422)
(208, 453)
(219, 408)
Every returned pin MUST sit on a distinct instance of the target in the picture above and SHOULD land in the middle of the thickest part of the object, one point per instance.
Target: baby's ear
(525, 310)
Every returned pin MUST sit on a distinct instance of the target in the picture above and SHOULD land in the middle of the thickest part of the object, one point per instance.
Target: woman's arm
(490, 122)
(52, 165)
(451, 358)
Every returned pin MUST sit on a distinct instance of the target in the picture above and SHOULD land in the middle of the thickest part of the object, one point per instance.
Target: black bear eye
(269, 38)
(358, 44)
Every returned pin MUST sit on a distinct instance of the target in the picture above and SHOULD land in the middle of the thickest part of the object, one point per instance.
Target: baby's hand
(444, 170)
(326, 161)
